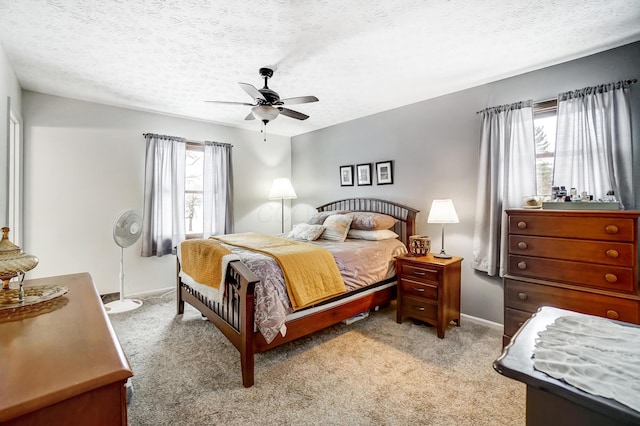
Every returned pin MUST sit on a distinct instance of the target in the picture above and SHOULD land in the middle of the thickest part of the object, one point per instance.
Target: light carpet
(371, 372)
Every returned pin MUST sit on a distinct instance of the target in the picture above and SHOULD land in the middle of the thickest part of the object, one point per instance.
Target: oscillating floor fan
(126, 230)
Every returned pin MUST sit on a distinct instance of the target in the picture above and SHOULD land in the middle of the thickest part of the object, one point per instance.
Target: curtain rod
(188, 141)
(632, 81)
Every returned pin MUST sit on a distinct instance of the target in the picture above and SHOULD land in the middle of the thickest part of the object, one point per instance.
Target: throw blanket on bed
(310, 272)
(205, 261)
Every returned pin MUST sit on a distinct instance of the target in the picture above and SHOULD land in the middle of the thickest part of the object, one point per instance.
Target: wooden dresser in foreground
(579, 260)
(429, 290)
(66, 366)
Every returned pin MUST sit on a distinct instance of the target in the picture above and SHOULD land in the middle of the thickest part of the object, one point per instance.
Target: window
(194, 190)
(545, 118)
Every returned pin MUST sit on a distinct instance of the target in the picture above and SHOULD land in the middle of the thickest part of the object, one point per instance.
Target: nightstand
(429, 290)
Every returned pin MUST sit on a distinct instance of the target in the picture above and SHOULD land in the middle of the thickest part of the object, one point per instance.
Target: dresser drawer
(587, 227)
(607, 277)
(419, 308)
(605, 252)
(419, 273)
(528, 297)
(418, 289)
(513, 320)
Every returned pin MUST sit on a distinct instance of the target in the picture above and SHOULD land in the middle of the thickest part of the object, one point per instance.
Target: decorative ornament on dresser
(13, 261)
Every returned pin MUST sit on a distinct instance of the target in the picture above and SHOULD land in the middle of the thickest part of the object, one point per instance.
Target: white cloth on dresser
(593, 354)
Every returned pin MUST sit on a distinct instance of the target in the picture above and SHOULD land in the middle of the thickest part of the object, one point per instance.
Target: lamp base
(442, 255)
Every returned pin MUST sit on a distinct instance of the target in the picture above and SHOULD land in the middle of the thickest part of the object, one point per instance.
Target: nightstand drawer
(415, 288)
(423, 274)
(419, 308)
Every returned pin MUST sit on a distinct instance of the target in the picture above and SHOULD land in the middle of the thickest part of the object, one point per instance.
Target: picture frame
(363, 174)
(346, 175)
(384, 173)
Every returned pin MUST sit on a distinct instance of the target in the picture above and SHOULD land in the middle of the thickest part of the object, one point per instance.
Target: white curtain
(217, 200)
(507, 173)
(593, 142)
(164, 209)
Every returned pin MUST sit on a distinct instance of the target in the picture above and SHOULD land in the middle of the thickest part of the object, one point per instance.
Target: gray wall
(434, 147)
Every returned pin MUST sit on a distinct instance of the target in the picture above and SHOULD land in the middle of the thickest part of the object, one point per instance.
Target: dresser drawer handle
(612, 253)
(611, 229)
(523, 296)
(522, 225)
(419, 290)
(419, 308)
(522, 245)
(612, 314)
(610, 278)
(522, 265)
(418, 273)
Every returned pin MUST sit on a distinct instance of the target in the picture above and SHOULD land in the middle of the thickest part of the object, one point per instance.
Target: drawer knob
(610, 278)
(419, 290)
(522, 225)
(612, 253)
(612, 314)
(522, 265)
(419, 308)
(611, 229)
(523, 296)
(522, 245)
(419, 273)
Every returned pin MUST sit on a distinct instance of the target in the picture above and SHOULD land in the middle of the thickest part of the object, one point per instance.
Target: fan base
(124, 305)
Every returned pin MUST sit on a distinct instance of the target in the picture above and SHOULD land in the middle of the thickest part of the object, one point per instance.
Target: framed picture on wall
(384, 173)
(363, 173)
(346, 175)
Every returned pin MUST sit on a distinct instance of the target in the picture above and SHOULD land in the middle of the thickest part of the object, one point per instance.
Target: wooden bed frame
(235, 316)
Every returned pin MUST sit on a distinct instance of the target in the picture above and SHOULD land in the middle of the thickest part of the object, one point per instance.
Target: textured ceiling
(359, 57)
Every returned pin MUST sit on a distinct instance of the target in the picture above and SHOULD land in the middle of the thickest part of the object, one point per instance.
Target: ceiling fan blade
(252, 91)
(299, 100)
(293, 114)
(230, 103)
(250, 117)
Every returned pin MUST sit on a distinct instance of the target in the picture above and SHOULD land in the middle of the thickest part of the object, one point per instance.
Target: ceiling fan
(267, 103)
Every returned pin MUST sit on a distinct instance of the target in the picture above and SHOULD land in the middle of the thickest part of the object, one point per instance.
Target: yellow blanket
(201, 260)
(310, 272)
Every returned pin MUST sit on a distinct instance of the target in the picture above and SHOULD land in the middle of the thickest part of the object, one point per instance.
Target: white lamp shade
(281, 189)
(442, 211)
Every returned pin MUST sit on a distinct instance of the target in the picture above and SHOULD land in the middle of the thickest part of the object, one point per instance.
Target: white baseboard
(482, 321)
(151, 292)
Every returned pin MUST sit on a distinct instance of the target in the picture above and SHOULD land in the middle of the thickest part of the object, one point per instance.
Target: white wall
(84, 163)
(434, 146)
(9, 88)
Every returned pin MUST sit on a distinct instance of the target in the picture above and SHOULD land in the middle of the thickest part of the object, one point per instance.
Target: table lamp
(442, 211)
(281, 189)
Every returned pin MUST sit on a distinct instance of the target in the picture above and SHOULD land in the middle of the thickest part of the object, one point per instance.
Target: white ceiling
(359, 57)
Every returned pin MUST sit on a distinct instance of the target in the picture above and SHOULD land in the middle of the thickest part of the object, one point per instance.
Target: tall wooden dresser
(583, 261)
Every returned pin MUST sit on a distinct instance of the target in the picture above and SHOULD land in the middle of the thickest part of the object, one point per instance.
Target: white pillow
(382, 234)
(337, 226)
(304, 231)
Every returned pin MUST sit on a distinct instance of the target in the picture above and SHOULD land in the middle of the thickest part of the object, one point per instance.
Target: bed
(235, 315)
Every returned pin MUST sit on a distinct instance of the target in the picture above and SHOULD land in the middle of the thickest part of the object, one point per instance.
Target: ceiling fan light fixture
(265, 112)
